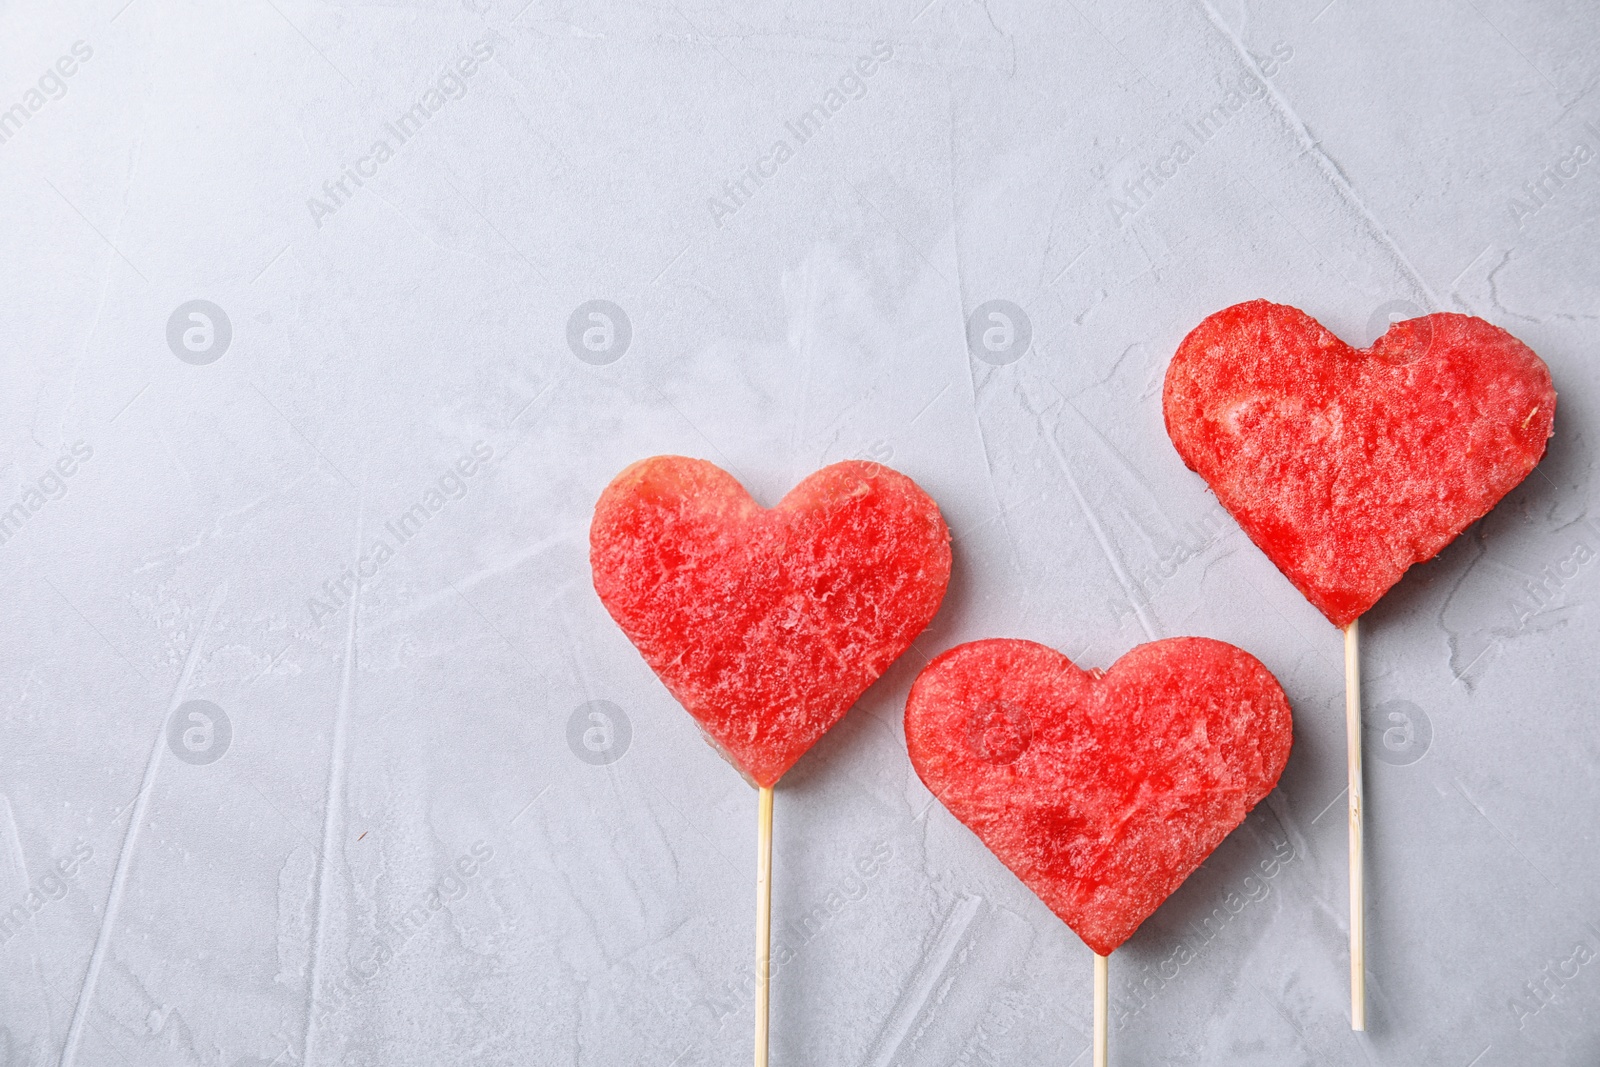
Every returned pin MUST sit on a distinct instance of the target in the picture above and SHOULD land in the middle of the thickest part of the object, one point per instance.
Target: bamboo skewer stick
(1102, 1008)
(1358, 908)
(763, 919)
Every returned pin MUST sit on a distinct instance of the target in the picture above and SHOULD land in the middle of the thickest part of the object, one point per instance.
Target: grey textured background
(402, 833)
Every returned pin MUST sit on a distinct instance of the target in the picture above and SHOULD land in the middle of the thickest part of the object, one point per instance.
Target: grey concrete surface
(317, 747)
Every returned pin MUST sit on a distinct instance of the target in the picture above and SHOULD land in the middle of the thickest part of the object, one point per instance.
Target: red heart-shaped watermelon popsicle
(1347, 466)
(1101, 792)
(768, 624)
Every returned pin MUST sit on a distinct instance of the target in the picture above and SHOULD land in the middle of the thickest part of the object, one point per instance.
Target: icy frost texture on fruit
(767, 625)
(1347, 466)
(1102, 793)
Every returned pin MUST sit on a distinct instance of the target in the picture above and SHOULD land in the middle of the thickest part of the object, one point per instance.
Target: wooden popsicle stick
(1358, 904)
(763, 918)
(1102, 1008)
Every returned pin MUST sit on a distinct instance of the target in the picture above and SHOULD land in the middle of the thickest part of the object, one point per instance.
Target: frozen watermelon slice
(1102, 792)
(768, 624)
(1347, 466)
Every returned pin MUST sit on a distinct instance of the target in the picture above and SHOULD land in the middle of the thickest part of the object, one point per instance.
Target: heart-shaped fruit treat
(768, 624)
(1345, 465)
(1102, 792)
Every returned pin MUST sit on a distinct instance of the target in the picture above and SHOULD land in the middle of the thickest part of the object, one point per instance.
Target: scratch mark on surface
(333, 799)
(1457, 279)
(309, 443)
(1098, 530)
(966, 357)
(476, 578)
(928, 979)
(312, 46)
(530, 804)
(269, 265)
(1462, 789)
(97, 231)
(674, 263)
(928, 405)
(130, 840)
(14, 840)
(1331, 803)
(1461, 675)
(93, 627)
(1069, 266)
(1520, 53)
(129, 404)
(1330, 170)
